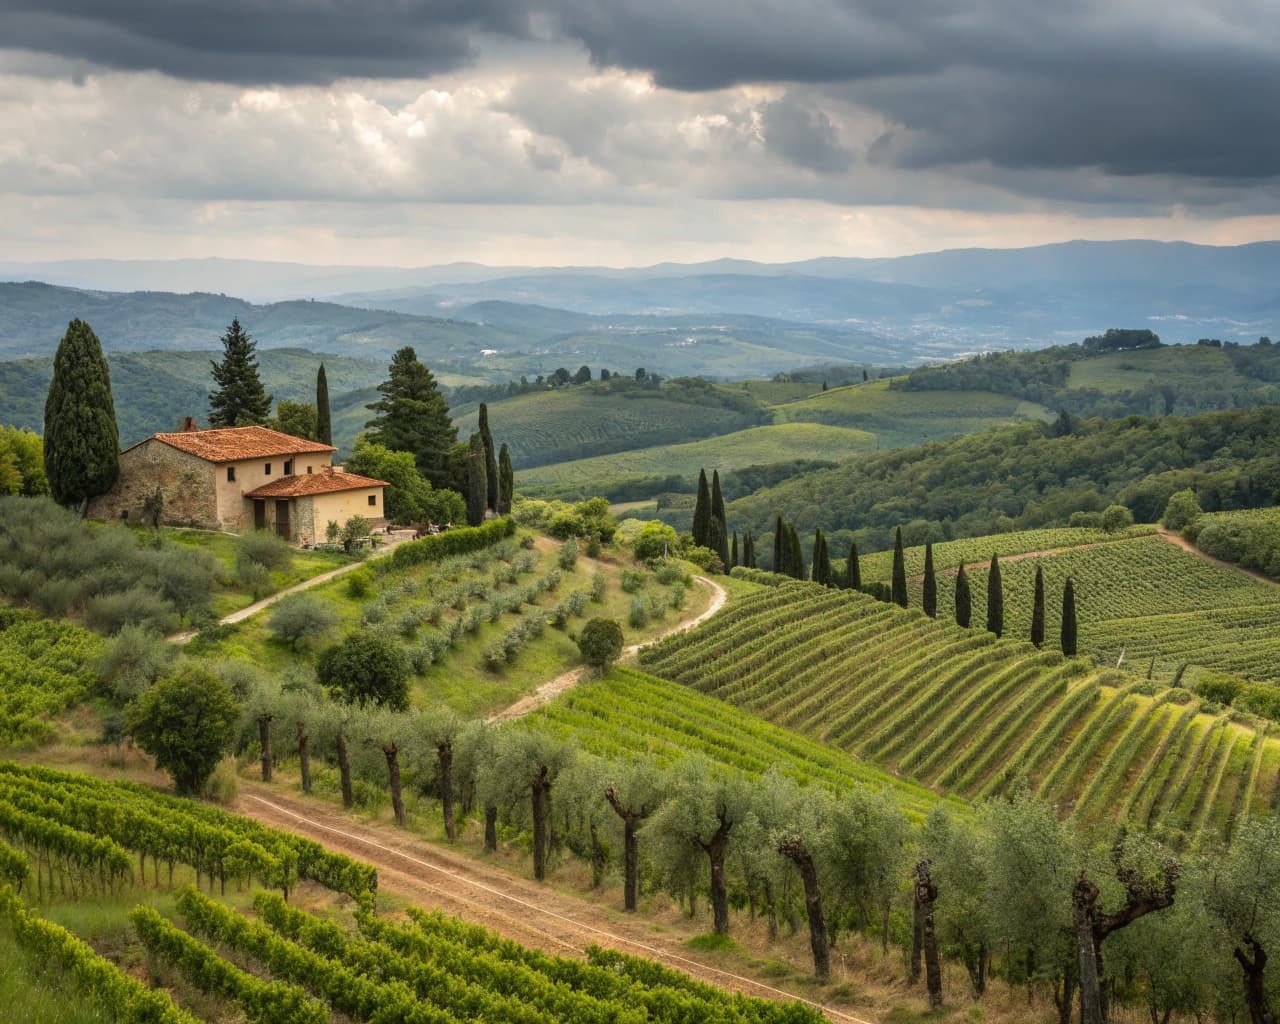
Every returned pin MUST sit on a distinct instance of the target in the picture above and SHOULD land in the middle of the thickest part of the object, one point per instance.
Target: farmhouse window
(288, 467)
(373, 499)
(266, 470)
(231, 474)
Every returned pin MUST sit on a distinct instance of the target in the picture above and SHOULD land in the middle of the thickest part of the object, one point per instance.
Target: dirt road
(446, 879)
(548, 691)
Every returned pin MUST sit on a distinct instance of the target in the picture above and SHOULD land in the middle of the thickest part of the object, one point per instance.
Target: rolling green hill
(964, 713)
(902, 419)
(752, 447)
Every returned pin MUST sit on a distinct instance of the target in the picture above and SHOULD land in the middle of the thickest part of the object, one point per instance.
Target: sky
(628, 132)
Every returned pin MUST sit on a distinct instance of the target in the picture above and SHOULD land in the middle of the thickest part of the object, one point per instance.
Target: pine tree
(717, 499)
(506, 481)
(324, 422)
(490, 458)
(240, 400)
(853, 568)
(413, 416)
(995, 598)
(964, 600)
(81, 440)
(1069, 619)
(702, 512)
(821, 571)
(899, 596)
(930, 584)
(1037, 610)
(733, 551)
(477, 482)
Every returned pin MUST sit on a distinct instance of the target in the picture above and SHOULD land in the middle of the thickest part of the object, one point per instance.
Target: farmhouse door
(282, 519)
(259, 514)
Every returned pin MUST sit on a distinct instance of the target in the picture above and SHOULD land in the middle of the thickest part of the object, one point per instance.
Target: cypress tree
(899, 571)
(779, 545)
(1069, 619)
(930, 584)
(1037, 610)
(821, 572)
(796, 556)
(995, 598)
(240, 400)
(702, 512)
(748, 550)
(733, 551)
(477, 482)
(506, 481)
(718, 542)
(717, 499)
(853, 569)
(413, 416)
(490, 458)
(324, 422)
(81, 440)
(964, 600)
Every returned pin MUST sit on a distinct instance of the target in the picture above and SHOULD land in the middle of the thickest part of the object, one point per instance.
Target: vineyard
(628, 712)
(1143, 598)
(46, 668)
(963, 713)
(69, 836)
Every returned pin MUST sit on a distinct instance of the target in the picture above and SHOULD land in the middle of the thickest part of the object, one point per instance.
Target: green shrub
(638, 616)
(359, 583)
(568, 556)
(632, 581)
(599, 587)
(265, 548)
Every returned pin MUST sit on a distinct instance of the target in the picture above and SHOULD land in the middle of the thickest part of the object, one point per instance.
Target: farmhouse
(239, 478)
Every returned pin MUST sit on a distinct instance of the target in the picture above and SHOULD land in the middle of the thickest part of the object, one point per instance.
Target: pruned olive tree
(524, 767)
(634, 788)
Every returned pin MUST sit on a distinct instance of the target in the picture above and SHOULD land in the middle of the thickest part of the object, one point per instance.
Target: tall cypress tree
(779, 545)
(852, 568)
(1069, 619)
(1037, 610)
(930, 601)
(324, 422)
(81, 440)
(413, 416)
(506, 481)
(733, 551)
(490, 458)
(995, 598)
(702, 512)
(821, 572)
(796, 556)
(717, 499)
(477, 482)
(899, 595)
(240, 400)
(718, 542)
(964, 599)
(748, 550)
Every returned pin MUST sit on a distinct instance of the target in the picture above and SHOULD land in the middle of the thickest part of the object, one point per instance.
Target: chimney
(188, 425)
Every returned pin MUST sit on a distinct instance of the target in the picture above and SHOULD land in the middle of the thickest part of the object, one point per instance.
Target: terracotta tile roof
(230, 444)
(313, 483)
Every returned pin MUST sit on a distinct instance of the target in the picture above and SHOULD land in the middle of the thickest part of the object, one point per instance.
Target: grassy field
(1141, 597)
(902, 419)
(963, 713)
(1131, 371)
(753, 447)
(461, 594)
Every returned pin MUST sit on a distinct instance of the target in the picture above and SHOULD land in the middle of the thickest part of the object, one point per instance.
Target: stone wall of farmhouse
(186, 482)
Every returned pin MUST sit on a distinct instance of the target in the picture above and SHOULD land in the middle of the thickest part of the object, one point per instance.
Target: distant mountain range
(927, 305)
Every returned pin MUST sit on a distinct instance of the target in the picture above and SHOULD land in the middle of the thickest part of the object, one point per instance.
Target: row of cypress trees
(490, 478)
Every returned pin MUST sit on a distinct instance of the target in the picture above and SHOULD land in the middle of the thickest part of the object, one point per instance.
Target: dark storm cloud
(1124, 87)
(267, 41)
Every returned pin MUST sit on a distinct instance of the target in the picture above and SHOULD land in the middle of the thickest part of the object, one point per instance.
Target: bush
(187, 723)
(599, 587)
(300, 616)
(593, 546)
(638, 616)
(705, 559)
(655, 540)
(223, 786)
(254, 578)
(360, 583)
(368, 667)
(137, 606)
(568, 556)
(1181, 511)
(632, 581)
(267, 549)
(669, 573)
(459, 541)
(133, 661)
(1116, 518)
(600, 642)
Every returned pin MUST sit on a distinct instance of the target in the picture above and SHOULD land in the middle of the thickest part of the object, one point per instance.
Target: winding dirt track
(446, 879)
(548, 691)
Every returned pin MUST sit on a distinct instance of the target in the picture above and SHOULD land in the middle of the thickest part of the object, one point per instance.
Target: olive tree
(634, 788)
